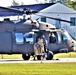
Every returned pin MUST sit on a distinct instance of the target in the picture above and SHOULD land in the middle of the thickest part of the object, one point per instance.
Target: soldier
(45, 43)
(39, 47)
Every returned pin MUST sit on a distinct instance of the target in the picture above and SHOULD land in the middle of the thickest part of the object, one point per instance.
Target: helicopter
(20, 37)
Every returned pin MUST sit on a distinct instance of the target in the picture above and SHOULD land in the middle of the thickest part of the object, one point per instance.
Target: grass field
(19, 56)
(13, 56)
(38, 69)
(65, 55)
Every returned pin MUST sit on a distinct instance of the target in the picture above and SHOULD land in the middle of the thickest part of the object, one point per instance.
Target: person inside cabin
(52, 38)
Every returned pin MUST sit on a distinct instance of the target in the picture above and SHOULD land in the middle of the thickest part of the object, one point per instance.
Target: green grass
(65, 55)
(13, 56)
(38, 69)
(19, 56)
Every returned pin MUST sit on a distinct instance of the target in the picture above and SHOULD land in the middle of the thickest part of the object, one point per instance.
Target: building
(62, 12)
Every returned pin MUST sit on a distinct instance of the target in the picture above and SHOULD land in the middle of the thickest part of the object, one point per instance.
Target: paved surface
(6, 61)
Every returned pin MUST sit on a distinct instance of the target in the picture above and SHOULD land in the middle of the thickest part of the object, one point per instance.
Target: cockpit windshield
(66, 36)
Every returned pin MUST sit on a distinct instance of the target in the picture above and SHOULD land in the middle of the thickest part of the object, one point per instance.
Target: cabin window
(19, 38)
(59, 37)
(73, 20)
(43, 19)
(29, 38)
(52, 38)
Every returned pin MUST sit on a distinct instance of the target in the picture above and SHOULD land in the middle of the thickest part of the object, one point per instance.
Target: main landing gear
(48, 55)
(26, 56)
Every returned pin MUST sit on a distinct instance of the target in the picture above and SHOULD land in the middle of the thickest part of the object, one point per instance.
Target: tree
(42, 1)
(72, 4)
(22, 3)
(14, 3)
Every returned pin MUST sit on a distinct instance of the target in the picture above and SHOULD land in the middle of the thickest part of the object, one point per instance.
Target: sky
(9, 2)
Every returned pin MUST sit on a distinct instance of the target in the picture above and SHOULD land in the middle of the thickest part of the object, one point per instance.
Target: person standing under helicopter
(45, 43)
(41, 46)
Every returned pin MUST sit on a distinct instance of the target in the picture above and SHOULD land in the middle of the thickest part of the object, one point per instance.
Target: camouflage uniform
(39, 47)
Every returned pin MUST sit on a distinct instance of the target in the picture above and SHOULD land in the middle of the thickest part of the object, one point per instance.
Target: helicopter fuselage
(20, 39)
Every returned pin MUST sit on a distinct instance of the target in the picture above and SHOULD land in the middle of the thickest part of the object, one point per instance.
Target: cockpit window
(19, 38)
(66, 36)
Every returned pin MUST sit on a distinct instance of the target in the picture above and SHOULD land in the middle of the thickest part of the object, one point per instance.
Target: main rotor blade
(11, 11)
(28, 11)
(55, 18)
(24, 11)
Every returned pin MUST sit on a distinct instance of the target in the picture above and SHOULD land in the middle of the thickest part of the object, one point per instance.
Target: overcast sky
(9, 2)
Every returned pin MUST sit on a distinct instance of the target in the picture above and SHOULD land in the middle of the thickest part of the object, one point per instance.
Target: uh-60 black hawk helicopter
(22, 37)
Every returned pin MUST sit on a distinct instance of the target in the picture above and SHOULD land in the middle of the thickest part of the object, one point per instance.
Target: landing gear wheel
(49, 55)
(26, 56)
